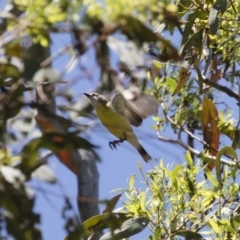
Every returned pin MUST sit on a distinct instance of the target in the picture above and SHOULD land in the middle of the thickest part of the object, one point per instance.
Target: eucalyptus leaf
(45, 174)
(213, 21)
(13, 176)
(128, 228)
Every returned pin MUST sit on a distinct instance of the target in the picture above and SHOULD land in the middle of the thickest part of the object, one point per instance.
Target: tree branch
(194, 151)
(217, 86)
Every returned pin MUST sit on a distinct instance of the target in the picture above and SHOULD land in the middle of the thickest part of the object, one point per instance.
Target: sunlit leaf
(211, 177)
(131, 182)
(214, 225)
(229, 151)
(189, 159)
(157, 233)
(44, 173)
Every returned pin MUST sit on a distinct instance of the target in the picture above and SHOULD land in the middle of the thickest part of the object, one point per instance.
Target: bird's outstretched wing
(135, 105)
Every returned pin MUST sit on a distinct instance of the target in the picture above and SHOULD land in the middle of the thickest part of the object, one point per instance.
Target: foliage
(180, 201)
(185, 53)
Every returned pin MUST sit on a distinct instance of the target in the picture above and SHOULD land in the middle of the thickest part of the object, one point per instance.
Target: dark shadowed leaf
(188, 32)
(128, 228)
(190, 235)
(220, 5)
(213, 21)
(112, 203)
(103, 221)
(236, 221)
(182, 7)
(194, 41)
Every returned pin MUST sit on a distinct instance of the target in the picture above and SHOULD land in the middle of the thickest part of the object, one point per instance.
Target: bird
(119, 114)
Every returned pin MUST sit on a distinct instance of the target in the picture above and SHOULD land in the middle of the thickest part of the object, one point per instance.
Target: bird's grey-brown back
(136, 106)
(120, 113)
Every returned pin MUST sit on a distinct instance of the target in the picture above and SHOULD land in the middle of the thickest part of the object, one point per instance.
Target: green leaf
(227, 225)
(128, 228)
(157, 233)
(194, 41)
(189, 235)
(103, 221)
(214, 226)
(174, 174)
(183, 5)
(11, 101)
(236, 221)
(218, 170)
(220, 5)
(131, 182)
(229, 151)
(143, 196)
(188, 26)
(189, 159)
(210, 177)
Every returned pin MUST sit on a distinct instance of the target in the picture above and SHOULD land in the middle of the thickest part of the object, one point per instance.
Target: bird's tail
(146, 157)
(132, 139)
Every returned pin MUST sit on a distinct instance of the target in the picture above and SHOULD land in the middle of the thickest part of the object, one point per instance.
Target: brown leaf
(64, 156)
(184, 76)
(216, 73)
(211, 132)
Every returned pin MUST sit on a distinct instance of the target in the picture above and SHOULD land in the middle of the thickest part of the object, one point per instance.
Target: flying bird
(129, 107)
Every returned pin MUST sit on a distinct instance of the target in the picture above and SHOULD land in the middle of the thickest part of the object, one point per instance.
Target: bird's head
(96, 99)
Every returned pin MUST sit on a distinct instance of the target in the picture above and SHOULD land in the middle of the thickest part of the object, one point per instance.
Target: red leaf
(46, 126)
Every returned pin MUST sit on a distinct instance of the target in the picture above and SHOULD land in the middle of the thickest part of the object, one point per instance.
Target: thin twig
(219, 87)
(194, 151)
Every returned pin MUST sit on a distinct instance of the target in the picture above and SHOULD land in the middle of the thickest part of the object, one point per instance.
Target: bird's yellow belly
(116, 123)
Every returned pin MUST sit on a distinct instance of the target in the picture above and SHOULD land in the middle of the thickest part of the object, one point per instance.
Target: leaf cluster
(180, 201)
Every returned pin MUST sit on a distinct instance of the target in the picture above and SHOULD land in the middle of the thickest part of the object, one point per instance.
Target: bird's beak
(87, 95)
